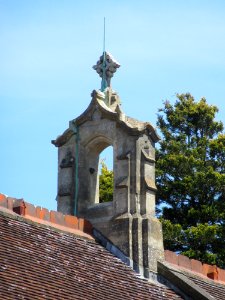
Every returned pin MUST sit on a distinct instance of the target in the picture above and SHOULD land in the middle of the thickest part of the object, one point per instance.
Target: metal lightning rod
(104, 83)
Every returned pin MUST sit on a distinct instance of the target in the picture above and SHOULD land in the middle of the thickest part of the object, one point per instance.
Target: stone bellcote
(129, 220)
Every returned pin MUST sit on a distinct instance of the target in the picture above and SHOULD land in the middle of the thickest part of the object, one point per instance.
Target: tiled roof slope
(192, 284)
(41, 262)
(192, 276)
(214, 288)
(205, 270)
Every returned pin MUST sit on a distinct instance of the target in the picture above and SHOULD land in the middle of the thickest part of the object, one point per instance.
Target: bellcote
(129, 220)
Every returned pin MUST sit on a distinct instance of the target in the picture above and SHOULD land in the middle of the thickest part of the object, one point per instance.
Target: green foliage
(105, 184)
(190, 176)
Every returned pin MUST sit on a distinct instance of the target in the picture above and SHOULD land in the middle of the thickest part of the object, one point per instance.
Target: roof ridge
(40, 215)
(195, 266)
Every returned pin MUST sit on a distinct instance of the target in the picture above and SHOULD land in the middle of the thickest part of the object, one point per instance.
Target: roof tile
(38, 262)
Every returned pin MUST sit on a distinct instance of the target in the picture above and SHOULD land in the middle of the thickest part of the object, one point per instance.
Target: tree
(190, 177)
(105, 184)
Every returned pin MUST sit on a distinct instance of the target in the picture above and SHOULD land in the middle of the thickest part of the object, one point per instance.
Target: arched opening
(105, 176)
(99, 160)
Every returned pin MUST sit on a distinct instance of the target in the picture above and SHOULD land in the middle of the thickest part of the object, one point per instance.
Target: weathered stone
(128, 222)
(137, 250)
(152, 244)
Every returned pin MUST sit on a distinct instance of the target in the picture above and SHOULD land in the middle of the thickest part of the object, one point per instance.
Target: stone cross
(106, 67)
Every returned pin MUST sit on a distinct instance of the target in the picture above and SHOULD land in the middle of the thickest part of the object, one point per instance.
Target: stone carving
(106, 66)
(67, 161)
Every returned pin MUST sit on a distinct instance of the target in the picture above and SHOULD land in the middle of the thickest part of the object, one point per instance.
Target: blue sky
(48, 48)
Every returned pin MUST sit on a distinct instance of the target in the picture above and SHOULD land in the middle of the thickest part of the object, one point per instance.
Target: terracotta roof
(39, 262)
(43, 216)
(47, 255)
(215, 289)
(191, 276)
(195, 266)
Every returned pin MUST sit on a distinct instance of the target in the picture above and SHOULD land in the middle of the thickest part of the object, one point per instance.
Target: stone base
(139, 238)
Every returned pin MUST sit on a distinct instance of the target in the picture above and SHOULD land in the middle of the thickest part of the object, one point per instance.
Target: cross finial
(106, 66)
